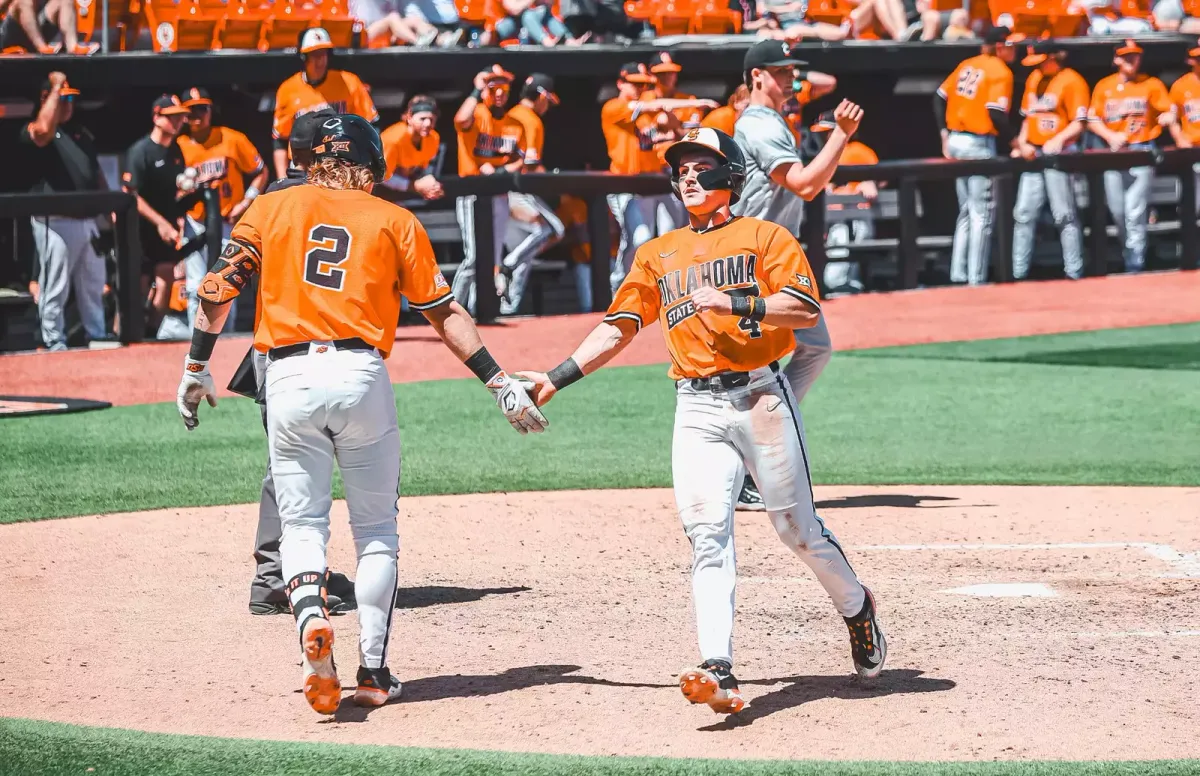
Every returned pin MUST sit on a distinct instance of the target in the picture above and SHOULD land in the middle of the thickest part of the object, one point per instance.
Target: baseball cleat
(868, 647)
(713, 683)
(376, 686)
(322, 689)
(750, 500)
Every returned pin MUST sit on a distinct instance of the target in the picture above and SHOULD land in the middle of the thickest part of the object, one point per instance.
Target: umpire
(267, 594)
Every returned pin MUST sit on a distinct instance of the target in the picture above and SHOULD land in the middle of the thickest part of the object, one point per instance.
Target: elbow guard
(239, 262)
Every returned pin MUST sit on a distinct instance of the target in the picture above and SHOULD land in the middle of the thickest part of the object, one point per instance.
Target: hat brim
(197, 101)
(67, 91)
(1130, 51)
(639, 78)
(782, 62)
(551, 96)
(1193, 54)
(173, 110)
(822, 126)
(1033, 60)
(666, 68)
(321, 46)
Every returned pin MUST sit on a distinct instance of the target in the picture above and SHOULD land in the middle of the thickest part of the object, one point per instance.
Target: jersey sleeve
(135, 170)
(785, 268)
(617, 112)
(1159, 99)
(948, 85)
(1000, 88)
(1096, 109)
(281, 127)
(1075, 100)
(1176, 94)
(429, 150)
(637, 299)
(239, 262)
(805, 95)
(360, 99)
(391, 151)
(534, 142)
(247, 156)
(420, 279)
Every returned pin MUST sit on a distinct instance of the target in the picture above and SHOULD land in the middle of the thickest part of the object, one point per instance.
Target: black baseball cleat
(868, 647)
(376, 686)
(340, 596)
(333, 604)
(713, 683)
(750, 500)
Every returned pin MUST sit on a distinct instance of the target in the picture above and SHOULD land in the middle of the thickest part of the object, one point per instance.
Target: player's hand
(869, 190)
(848, 116)
(513, 400)
(196, 384)
(486, 169)
(538, 386)
(428, 187)
(480, 81)
(236, 212)
(707, 298)
(168, 233)
(946, 145)
(57, 79)
(1118, 141)
(1185, 142)
(710, 104)
(1026, 150)
(1051, 147)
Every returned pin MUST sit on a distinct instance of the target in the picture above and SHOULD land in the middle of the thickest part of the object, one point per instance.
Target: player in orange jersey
(971, 108)
(727, 293)
(316, 86)
(1185, 101)
(1055, 108)
(333, 261)
(409, 148)
(1128, 111)
(724, 117)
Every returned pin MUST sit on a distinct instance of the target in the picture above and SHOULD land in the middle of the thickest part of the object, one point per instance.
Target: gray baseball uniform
(976, 211)
(1033, 191)
(1128, 196)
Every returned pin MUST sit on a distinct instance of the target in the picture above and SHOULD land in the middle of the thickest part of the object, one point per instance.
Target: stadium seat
(827, 11)
(474, 13)
(343, 28)
(242, 27)
(185, 25)
(713, 17)
(642, 10)
(674, 17)
(1136, 9)
(124, 19)
(284, 24)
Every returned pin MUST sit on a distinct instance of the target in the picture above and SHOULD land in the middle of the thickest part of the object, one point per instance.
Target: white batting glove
(514, 402)
(196, 384)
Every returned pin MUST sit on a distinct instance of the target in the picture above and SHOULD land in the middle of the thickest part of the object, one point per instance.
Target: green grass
(1113, 407)
(49, 749)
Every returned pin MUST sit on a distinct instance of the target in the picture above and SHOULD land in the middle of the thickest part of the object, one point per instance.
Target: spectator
(604, 20)
(441, 14)
(410, 146)
(724, 117)
(1104, 18)
(843, 277)
(154, 173)
(1185, 102)
(300, 144)
(62, 155)
(1127, 111)
(888, 16)
(385, 26)
(947, 25)
(1169, 17)
(1055, 107)
(316, 86)
(24, 23)
(536, 19)
(787, 20)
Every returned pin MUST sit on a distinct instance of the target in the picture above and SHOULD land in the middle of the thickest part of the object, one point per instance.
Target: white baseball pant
(463, 286)
(972, 246)
(327, 406)
(69, 267)
(636, 218)
(518, 264)
(1034, 189)
(1128, 196)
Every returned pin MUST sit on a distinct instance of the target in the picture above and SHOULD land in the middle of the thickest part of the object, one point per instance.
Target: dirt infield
(554, 622)
(867, 321)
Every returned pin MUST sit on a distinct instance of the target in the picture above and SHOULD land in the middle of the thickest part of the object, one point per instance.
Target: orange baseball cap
(1129, 48)
(636, 73)
(1040, 51)
(169, 105)
(1193, 55)
(63, 91)
(498, 75)
(664, 64)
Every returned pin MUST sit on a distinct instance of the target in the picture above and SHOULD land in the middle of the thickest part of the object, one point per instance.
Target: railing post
(1003, 202)
(129, 274)
(812, 231)
(1097, 260)
(103, 25)
(1187, 217)
(601, 242)
(910, 256)
(487, 304)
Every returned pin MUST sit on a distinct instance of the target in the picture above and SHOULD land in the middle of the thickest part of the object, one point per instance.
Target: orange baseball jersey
(535, 132)
(977, 85)
(407, 155)
(722, 118)
(1051, 104)
(333, 265)
(630, 146)
(855, 153)
(341, 91)
(1130, 107)
(746, 256)
(1185, 96)
(226, 155)
(490, 140)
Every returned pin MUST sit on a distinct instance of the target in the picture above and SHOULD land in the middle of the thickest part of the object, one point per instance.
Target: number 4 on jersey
(321, 263)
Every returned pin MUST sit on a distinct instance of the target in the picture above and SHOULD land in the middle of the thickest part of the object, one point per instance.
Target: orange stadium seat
(640, 10)
(674, 17)
(185, 25)
(1136, 9)
(242, 27)
(124, 21)
(713, 17)
(1191, 8)
(343, 28)
(284, 24)
(474, 13)
(827, 11)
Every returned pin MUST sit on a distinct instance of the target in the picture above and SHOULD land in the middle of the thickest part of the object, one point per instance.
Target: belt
(354, 343)
(724, 381)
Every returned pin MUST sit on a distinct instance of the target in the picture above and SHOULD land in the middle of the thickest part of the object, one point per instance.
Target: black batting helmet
(352, 139)
(729, 174)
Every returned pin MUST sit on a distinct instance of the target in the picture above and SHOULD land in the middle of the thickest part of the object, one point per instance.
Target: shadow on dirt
(897, 500)
(799, 690)
(438, 595)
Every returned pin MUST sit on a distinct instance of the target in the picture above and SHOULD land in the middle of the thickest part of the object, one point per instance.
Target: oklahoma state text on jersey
(1051, 104)
(490, 140)
(227, 156)
(745, 256)
(401, 152)
(333, 265)
(1130, 107)
(341, 91)
(1185, 96)
(630, 145)
(977, 85)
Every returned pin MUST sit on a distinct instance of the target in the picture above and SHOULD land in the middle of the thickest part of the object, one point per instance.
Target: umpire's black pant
(267, 586)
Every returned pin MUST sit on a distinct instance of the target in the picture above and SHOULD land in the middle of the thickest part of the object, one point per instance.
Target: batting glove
(518, 408)
(196, 384)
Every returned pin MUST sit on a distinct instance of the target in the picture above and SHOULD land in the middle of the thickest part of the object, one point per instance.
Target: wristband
(251, 194)
(564, 374)
(476, 95)
(740, 306)
(760, 308)
(202, 345)
(483, 365)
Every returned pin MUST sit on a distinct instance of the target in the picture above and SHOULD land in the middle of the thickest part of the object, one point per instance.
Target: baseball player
(843, 277)
(1127, 112)
(489, 141)
(631, 152)
(724, 117)
(410, 147)
(334, 261)
(1055, 108)
(777, 183)
(316, 86)
(1185, 102)
(727, 293)
(535, 219)
(971, 109)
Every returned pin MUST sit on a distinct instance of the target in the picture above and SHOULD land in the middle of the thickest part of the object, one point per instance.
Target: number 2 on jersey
(968, 82)
(321, 263)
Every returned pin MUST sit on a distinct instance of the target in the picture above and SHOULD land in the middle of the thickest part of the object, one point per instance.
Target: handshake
(519, 398)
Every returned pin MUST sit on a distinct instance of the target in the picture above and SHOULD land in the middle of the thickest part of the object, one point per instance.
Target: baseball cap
(825, 123)
(498, 75)
(540, 83)
(636, 73)
(770, 53)
(663, 63)
(64, 91)
(997, 35)
(1040, 51)
(315, 39)
(304, 129)
(1193, 54)
(196, 96)
(1129, 48)
(421, 103)
(169, 105)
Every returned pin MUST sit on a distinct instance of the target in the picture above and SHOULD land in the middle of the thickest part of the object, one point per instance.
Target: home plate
(1006, 590)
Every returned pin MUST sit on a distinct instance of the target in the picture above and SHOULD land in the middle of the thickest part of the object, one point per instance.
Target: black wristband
(483, 365)
(476, 95)
(760, 309)
(202, 345)
(564, 374)
(740, 306)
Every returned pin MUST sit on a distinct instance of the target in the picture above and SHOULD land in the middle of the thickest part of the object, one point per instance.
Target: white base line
(1144, 634)
(1185, 565)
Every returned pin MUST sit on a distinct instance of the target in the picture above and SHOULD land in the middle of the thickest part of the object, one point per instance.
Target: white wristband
(251, 193)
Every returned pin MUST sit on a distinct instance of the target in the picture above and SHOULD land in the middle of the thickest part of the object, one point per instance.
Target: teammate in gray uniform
(777, 183)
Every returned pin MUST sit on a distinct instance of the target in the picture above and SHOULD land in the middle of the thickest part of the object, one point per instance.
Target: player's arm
(464, 117)
(1114, 140)
(822, 83)
(281, 129)
(809, 180)
(794, 304)
(655, 106)
(41, 130)
(249, 160)
(135, 173)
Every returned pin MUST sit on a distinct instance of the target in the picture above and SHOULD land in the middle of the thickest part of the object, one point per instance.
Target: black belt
(354, 343)
(724, 381)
